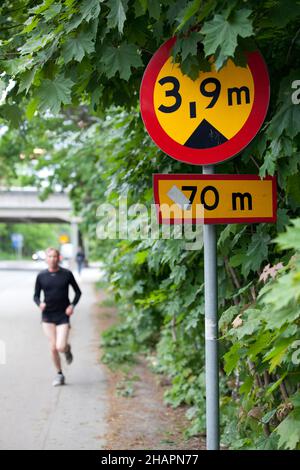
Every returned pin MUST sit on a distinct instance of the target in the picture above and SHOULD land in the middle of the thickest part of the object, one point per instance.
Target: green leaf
(73, 23)
(281, 14)
(121, 59)
(287, 117)
(117, 15)
(293, 188)
(31, 108)
(267, 442)
(227, 316)
(191, 66)
(268, 416)
(291, 238)
(276, 355)
(90, 9)
(242, 290)
(289, 430)
(222, 33)
(287, 120)
(247, 385)
(35, 44)
(282, 219)
(225, 234)
(12, 113)
(257, 251)
(232, 358)
(37, 10)
(52, 94)
(77, 47)
(269, 165)
(249, 326)
(154, 9)
(31, 24)
(186, 46)
(141, 257)
(285, 95)
(26, 80)
(187, 13)
(140, 7)
(262, 341)
(295, 399)
(275, 385)
(52, 11)
(282, 308)
(237, 260)
(16, 66)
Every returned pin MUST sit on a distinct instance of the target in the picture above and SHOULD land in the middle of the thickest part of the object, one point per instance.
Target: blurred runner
(56, 308)
(80, 259)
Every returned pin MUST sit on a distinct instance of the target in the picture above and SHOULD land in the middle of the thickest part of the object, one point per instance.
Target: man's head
(52, 257)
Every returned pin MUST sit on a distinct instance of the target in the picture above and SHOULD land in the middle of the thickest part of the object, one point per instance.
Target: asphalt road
(33, 414)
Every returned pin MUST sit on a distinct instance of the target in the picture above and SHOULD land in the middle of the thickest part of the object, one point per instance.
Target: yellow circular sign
(205, 112)
(207, 120)
(64, 239)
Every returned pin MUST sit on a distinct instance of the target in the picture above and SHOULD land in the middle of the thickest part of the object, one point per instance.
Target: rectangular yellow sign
(214, 199)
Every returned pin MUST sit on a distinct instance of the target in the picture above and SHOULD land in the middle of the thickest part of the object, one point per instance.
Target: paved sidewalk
(33, 414)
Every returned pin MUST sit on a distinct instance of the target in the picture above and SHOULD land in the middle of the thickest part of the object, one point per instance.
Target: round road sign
(208, 120)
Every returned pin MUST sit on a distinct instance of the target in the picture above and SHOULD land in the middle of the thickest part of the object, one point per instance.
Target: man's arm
(37, 292)
(76, 290)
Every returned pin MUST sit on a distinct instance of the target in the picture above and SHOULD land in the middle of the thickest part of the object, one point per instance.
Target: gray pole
(211, 332)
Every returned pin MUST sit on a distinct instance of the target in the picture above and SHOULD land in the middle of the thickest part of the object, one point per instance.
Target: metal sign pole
(211, 332)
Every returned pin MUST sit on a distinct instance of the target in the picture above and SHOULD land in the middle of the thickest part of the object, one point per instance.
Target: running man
(80, 259)
(56, 308)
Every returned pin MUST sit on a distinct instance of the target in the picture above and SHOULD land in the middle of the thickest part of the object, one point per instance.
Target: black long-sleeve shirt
(55, 286)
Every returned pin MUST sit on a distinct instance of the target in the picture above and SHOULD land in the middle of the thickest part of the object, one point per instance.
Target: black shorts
(56, 318)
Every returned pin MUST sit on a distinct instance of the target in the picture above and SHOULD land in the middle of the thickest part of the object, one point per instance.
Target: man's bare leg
(62, 345)
(62, 336)
(50, 332)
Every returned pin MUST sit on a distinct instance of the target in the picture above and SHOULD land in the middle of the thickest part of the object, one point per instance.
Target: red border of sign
(157, 177)
(215, 154)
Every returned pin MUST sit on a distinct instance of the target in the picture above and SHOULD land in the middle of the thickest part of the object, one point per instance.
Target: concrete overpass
(23, 205)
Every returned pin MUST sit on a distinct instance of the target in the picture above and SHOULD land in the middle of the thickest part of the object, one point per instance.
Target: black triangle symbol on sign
(205, 136)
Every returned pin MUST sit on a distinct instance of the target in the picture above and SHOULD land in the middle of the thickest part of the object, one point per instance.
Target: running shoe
(69, 355)
(59, 380)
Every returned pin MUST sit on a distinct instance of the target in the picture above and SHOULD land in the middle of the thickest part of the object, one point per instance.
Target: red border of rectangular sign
(162, 176)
